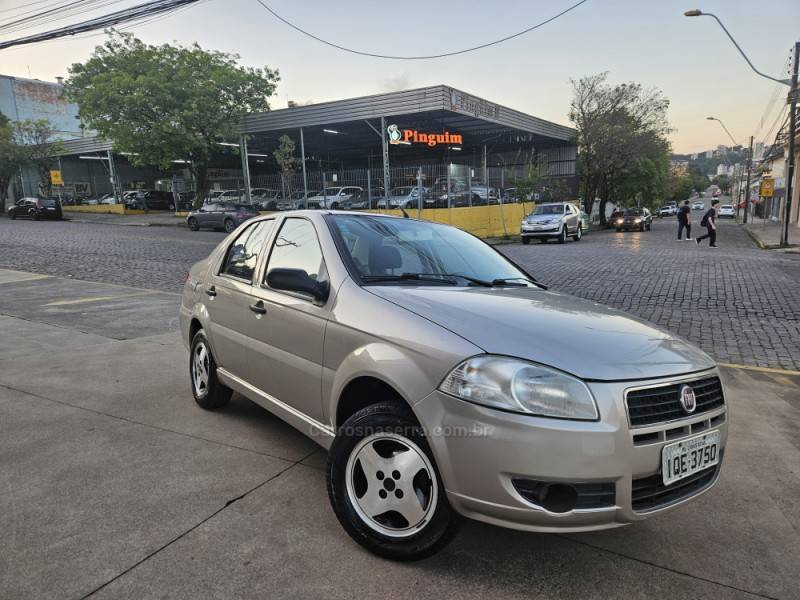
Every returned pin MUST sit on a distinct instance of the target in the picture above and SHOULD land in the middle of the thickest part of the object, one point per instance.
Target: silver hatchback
(445, 381)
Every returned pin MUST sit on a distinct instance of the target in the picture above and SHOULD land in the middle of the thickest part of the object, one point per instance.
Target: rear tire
(394, 508)
(229, 225)
(335, 206)
(192, 223)
(208, 392)
(526, 240)
(578, 234)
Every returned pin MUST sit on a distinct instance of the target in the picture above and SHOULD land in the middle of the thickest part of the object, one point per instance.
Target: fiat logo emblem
(688, 401)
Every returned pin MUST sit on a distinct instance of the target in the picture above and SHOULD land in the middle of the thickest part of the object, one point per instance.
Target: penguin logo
(394, 134)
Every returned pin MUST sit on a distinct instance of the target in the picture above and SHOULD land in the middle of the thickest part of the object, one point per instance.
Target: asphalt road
(737, 302)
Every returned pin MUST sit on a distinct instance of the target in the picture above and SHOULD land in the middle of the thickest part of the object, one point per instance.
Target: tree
(287, 161)
(724, 182)
(11, 157)
(161, 104)
(39, 149)
(623, 152)
(27, 143)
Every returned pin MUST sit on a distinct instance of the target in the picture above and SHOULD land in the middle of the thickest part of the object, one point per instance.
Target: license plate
(684, 458)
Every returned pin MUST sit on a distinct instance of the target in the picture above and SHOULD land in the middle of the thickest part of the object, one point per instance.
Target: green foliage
(165, 103)
(623, 152)
(724, 182)
(526, 186)
(286, 159)
(11, 157)
(27, 143)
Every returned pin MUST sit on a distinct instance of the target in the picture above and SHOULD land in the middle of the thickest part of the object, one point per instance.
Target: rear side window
(240, 260)
(296, 247)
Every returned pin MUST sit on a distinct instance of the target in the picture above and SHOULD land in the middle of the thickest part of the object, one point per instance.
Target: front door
(230, 298)
(287, 341)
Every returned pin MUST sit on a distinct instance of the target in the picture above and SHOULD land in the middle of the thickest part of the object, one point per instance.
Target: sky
(646, 41)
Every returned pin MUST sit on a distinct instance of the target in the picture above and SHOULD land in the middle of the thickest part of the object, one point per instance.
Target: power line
(423, 57)
(26, 5)
(72, 11)
(132, 14)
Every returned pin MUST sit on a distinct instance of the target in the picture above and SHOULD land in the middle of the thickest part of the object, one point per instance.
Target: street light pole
(792, 83)
(747, 185)
(792, 132)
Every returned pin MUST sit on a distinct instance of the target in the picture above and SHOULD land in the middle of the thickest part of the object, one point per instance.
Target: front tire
(562, 238)
(384, 487)
(12, 215)
(207, 390)
(193, 225)
(229, 225)
(526, 240)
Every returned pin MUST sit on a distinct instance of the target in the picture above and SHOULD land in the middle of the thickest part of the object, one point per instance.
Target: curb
(763, 246)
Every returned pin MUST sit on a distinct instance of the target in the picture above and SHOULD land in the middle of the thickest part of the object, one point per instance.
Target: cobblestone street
(738, 303)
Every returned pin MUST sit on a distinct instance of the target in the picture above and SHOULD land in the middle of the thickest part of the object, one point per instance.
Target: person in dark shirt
(710, 223)
(684, 212)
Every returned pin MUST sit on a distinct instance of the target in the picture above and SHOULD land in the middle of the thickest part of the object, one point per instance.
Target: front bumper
(481, 453)
(540, 230)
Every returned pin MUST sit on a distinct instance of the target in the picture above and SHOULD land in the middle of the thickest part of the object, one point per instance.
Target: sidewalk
(767, 234)
(155, 219)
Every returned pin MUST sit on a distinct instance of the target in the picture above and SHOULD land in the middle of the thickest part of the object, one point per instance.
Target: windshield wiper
(428, 277)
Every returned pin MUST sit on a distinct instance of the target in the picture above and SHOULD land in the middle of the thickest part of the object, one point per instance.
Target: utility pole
(792, 132)
(747, 185)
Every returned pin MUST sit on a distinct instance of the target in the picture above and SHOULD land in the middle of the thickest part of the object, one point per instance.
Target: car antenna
(405, 214)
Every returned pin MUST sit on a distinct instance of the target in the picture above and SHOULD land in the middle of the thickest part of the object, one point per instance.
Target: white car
(668, 211)
(335, 198)
(727, 211)
(697, 205)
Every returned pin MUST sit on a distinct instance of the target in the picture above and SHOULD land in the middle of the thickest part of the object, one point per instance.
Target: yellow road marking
(760, 369)
(97, 299)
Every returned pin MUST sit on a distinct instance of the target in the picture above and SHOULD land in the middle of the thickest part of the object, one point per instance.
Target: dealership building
(376, 142)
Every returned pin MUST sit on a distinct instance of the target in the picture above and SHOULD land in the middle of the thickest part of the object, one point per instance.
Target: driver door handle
(211, 291)
(258, 308)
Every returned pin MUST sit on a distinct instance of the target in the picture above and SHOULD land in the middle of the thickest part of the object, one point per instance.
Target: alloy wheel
(200, 369)
(391, 484)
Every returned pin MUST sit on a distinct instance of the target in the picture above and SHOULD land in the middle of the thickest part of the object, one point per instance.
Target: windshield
(47, 202)
(331, 191)
(387, 249)
(549, 209)
(633, 212)
(402, 191)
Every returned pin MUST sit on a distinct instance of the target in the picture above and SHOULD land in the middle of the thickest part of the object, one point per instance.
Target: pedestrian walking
(684, 214)
(709, 221)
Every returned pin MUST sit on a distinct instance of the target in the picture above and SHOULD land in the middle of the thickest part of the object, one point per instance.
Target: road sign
(767, 187)
(55, 177)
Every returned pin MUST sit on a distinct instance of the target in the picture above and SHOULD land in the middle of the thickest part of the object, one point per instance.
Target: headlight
(620, 221)
(637, 221)
(519, 386)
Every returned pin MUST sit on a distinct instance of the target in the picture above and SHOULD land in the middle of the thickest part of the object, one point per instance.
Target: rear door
(230, 295)
(286, 353)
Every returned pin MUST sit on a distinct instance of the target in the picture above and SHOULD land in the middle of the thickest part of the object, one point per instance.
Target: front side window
(297, 247)
(240, 260)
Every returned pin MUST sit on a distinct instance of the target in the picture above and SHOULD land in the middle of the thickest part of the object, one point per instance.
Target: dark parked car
(36, 208)
(637, 219)
(219, 215)
(151, 200)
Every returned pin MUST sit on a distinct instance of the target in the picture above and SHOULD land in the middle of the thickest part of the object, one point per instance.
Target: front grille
(649, 493)
(661, 404)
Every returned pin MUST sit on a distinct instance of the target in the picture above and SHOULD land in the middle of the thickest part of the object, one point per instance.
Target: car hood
(578, 336)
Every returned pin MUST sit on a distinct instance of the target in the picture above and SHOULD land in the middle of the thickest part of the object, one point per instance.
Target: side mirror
(297, 280)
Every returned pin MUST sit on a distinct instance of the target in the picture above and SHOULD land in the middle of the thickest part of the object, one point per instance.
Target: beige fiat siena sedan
(445, 381)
